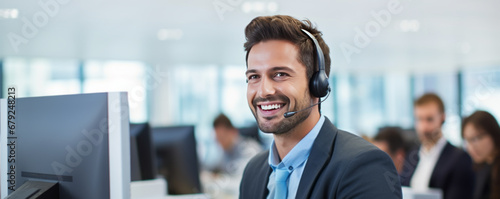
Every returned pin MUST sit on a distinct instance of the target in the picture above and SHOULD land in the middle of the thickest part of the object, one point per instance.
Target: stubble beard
(284, 126)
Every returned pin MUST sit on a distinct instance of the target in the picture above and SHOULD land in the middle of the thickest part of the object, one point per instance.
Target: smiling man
(309, 157)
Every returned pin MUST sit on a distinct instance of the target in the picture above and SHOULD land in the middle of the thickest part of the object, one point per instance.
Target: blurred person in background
(237, 150)
(436, 163)
(481, 133)
(391, 141)
(222, 179)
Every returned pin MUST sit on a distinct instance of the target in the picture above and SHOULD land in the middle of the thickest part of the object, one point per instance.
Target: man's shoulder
(350, 145)
(259, 159)
(349, 148)
(357, 168)
(256, 168)
(455, 154)
(255, 175)
(257, 164)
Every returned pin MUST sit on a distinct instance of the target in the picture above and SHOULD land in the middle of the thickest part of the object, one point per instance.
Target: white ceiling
(459, 33)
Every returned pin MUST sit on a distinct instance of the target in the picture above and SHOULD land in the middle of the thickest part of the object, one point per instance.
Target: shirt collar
(436, 149)
(299, 153)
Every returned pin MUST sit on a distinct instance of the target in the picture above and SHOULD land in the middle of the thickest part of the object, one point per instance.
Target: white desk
(409, 193)
(157, 189)
(189, 196)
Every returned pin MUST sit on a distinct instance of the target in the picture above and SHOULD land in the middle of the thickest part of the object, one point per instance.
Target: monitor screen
(177, 158)
(142, 155)
(80, 141)
(251, 132)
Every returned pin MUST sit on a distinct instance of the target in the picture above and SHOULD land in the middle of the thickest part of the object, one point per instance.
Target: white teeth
(270, 107)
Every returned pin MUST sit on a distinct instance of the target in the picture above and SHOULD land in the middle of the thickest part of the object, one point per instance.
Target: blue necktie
(281, 188)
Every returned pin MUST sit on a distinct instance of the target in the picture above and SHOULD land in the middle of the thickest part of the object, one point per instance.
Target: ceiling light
(272, 7)
(259, 7)
(409, 25)
(9, 13)
(169, 34)
(246, 7)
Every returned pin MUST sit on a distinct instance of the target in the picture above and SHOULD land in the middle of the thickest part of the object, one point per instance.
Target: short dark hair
(283, 27)
(430, 98)
(394, 138)
(223, 120)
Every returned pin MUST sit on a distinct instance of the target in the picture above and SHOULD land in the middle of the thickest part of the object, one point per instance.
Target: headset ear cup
(319, 84)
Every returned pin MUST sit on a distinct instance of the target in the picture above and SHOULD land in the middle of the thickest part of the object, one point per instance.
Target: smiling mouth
(270, 107)
(270, 111)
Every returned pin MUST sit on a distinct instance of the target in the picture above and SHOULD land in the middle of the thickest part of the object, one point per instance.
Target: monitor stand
(36, 189)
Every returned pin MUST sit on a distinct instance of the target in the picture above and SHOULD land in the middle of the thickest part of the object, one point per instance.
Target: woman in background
(482, 135)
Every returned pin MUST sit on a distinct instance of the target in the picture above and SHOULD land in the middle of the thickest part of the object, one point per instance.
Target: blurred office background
(182, 62)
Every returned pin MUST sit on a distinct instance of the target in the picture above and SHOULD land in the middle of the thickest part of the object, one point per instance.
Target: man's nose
(266, 88)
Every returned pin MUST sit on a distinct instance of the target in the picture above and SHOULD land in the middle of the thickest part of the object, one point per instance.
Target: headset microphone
(292, 113)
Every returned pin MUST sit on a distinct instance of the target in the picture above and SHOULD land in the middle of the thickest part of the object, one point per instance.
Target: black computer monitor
(251, 132)
(177, 158)
(142, 154)
(81, 142)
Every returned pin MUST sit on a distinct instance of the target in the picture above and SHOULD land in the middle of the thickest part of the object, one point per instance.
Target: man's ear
(400, 154)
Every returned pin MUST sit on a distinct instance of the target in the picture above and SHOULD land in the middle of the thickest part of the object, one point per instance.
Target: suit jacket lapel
(442, 159)
(263, 173)
(409, 167)
(321, 152)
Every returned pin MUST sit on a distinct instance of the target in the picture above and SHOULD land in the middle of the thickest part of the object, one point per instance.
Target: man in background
(391, 141)
(221, 180)
(436, 163)
(237, 150)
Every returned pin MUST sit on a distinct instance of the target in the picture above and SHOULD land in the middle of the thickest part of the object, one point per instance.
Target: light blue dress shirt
(295, 161)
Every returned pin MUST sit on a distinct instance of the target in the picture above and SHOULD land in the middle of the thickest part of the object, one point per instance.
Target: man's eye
(252, 77)
(280, 75)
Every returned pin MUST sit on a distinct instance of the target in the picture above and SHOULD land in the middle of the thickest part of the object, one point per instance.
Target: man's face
(224, 136)
(277, 83)
(428, 122)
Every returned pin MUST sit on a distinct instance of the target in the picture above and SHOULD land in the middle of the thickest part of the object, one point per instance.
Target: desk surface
(188, 196)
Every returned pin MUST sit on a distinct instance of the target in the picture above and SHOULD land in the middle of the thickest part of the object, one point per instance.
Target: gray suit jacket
(340, 165)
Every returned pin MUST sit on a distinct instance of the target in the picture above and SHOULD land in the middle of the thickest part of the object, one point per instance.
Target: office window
(365, 102)
(398, 100)
(360, 103)
(129, 76)
(39, 77)
(234, 96)
(481, 91)
(191, 94)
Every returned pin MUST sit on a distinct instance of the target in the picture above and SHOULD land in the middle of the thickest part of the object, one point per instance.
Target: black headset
(318, 84)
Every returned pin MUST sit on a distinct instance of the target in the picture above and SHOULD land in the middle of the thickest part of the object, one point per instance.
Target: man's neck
(285, 142)
(432, 143)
